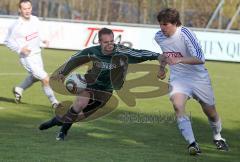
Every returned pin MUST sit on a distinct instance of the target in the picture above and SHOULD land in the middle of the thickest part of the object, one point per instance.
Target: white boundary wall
(76, 36)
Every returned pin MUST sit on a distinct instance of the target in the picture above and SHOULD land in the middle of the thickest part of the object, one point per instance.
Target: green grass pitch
(127, 134)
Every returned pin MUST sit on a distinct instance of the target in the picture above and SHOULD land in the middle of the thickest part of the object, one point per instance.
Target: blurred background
(216, 14)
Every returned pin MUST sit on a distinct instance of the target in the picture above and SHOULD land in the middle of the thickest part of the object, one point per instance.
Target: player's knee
(178, 106)
(179, 101)
(179, 109)
(81, 102)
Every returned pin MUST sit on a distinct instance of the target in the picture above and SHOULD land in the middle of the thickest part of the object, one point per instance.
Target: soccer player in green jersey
(106, 58)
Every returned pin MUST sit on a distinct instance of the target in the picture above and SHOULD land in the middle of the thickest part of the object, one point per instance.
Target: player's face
(168, 29)
(107, 43)
(25, 10)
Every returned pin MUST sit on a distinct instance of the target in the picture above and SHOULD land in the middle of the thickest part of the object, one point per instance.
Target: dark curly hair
(169, 15)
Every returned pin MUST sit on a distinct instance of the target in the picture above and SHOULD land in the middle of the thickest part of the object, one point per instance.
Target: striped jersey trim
(143, 53)
(193, 41)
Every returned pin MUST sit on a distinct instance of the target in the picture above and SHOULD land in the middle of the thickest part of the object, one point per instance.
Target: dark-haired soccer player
(188, 76)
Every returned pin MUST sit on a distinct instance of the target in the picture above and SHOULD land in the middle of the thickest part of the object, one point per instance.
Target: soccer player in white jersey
(188, 77)
(24, 39)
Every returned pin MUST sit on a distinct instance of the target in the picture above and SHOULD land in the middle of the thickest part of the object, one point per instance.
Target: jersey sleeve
(78, 59)
(192, 43)
(159, 37)
(11, 42)
(136, 56)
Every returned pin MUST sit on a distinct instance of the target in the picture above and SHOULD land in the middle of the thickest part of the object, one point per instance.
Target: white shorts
(34, 65)
(201, 90)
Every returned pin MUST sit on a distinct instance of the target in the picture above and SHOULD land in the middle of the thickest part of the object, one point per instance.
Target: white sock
(49, 93)
(216, 128)
(19, 90)
(29, 80)
(185, 128)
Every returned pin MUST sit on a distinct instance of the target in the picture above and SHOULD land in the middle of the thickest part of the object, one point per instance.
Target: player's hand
(173, 60)
(161, 73)
(25, 51)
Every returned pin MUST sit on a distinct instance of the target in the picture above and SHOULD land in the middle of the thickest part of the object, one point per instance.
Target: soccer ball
(75, 83)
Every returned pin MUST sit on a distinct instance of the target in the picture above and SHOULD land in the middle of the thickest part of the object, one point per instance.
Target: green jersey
(101, 76)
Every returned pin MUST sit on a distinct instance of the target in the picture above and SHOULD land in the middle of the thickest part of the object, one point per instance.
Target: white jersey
(24, 33)
(182, 44)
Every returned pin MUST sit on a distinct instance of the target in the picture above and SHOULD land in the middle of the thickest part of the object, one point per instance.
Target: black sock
(71, 116)
(65, 127)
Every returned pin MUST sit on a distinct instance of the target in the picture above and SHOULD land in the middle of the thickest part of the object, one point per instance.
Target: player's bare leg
(49, 92)
(184, 124)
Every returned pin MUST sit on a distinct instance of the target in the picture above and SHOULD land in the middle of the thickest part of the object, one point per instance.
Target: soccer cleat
(221, 144)
(48, 124)
(63, 131)
(194, 149)
(17, 95)
(60, 136)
